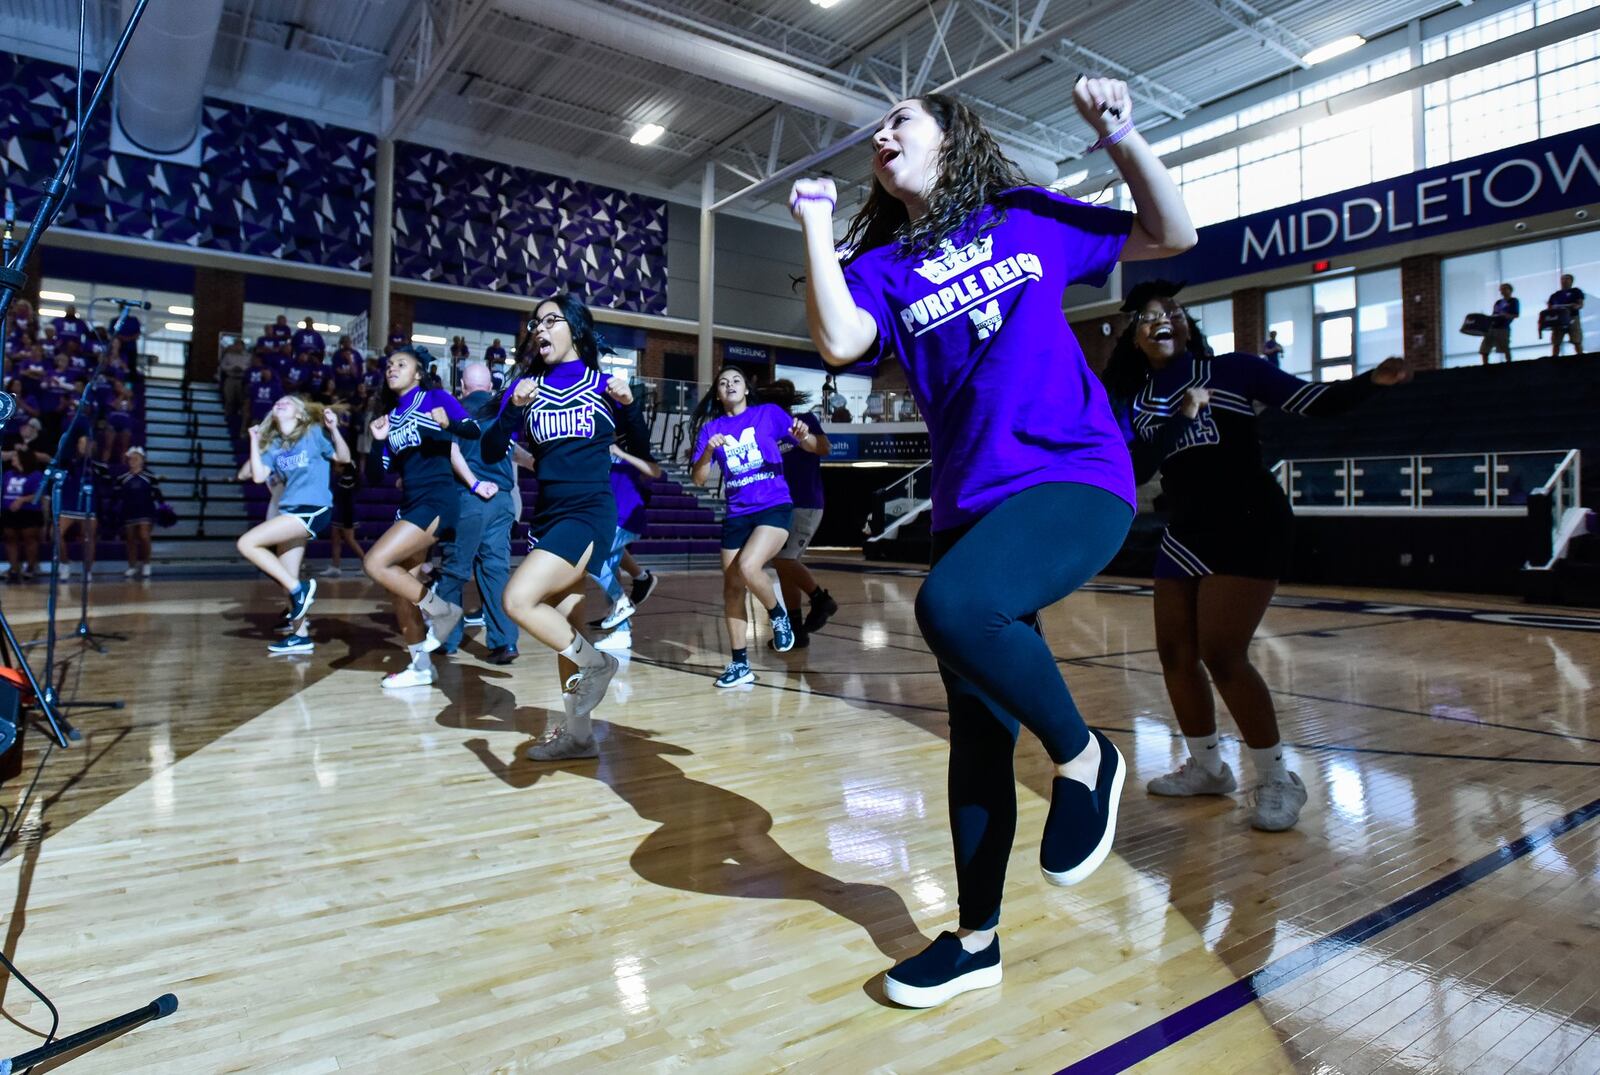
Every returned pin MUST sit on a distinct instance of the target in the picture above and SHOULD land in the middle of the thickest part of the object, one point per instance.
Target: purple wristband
(1113, 138)
(795, 201)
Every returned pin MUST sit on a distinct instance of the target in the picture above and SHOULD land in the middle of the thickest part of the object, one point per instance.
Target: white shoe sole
(405, 686)
(1232, 787)
(622, 645)
(291, 652)
(614, 621)
(1083, 869)
(748, 677)
(928, 996)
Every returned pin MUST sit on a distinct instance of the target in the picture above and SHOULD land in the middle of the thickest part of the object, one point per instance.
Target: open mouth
(1162, 334)
(885, 155)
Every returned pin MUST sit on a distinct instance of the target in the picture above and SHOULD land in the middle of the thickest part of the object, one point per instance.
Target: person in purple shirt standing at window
(958, 267)
(742, 442)
(1507, 308)
(307, 340)
(71, 327)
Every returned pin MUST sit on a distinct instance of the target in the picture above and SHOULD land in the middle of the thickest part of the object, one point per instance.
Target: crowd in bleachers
(48, 366)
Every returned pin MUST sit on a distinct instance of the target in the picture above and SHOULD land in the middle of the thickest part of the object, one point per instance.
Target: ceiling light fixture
(824, 4)
(1332, 49)
(59, 296)
(647, 134)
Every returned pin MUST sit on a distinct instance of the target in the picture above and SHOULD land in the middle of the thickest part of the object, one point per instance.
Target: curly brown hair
(973, 172)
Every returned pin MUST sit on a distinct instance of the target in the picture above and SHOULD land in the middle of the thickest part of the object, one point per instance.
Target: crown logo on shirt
(952, 262)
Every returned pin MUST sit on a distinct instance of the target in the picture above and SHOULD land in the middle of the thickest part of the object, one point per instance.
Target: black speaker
(11, 726)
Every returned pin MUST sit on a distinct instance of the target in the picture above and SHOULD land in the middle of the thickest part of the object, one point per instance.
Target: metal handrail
(1287, 471)
(1572, 461)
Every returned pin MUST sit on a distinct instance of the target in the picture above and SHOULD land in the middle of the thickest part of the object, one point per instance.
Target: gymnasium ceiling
(756, 86)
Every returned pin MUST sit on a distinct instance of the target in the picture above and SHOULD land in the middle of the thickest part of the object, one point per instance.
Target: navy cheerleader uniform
(419, 450)
(569, 427)
(1229, 515)
(137, 496)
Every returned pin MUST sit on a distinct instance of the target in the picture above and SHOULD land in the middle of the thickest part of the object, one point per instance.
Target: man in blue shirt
(71, 326)
(482, 545)
(1498, 338)
(1567, 305)
(1272, 351)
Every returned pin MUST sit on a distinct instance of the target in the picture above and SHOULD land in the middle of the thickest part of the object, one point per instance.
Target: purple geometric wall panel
(271, 185)
(474, 223)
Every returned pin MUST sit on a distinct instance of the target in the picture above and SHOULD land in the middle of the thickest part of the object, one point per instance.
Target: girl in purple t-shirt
(742, 441)
(959, 267)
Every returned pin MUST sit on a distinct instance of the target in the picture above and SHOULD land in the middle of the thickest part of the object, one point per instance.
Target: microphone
(135, 303)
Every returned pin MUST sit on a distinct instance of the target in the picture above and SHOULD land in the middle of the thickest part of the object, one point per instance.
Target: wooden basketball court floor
(331, 879)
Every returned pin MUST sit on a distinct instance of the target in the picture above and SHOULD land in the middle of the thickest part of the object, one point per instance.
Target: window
(1339, 326)
(853, 391)
(1471, 284)
(1216, 321)
(1503, 104)
(1289, 315)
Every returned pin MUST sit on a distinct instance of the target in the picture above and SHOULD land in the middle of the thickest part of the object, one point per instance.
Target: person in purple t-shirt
(71, 327)
(958, 267)
(307, 340)
(743, 443)
(803, 471)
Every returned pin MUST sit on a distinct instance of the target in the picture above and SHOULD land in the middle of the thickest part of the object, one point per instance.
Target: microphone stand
(12, 280)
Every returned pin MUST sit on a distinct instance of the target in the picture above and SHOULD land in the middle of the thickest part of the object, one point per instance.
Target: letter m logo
(986, 319)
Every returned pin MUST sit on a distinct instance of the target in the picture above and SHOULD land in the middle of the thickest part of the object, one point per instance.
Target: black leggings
(978, 612)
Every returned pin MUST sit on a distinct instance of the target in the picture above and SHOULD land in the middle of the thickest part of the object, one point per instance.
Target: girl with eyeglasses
(1228, 534)
(958, 266)
(417, 430)
(569, 412)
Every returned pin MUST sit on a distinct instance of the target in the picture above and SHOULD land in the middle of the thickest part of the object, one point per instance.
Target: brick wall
(218, 308)
(1249, 320)
(402, 312)
(1098, 344)
(1422, 311)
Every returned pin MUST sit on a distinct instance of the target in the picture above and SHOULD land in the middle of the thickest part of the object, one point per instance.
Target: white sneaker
(562, 746)
(588, 685)
(620, 613)
(144, 572)
(65, 572)
(1275, 804)
(408, 677)
(616, 641)
(1191, 779)
(333, 573)
(128, 574)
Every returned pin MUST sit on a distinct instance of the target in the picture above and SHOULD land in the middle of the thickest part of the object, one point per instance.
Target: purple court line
(1143, 1044)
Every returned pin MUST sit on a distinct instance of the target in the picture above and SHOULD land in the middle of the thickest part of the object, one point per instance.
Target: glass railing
(1483, 482)
(900, 499)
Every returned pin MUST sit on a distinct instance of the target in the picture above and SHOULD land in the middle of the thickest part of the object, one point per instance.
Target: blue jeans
(610, 580)
(978, 610)
(481, 549)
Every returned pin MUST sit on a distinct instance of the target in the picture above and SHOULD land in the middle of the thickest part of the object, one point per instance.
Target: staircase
(187, 447)
(684, 519)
